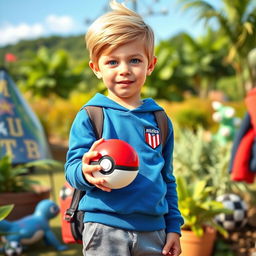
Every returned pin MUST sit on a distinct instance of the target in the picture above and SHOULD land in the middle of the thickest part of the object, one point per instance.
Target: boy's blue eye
(112, 62)
(135, 61)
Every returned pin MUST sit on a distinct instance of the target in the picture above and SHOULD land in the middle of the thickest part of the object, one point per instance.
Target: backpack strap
(72, 214)
(162, 122)
(74, 217)
(96, 116)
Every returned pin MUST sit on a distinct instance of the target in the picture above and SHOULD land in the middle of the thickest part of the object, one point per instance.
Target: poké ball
(119, 162)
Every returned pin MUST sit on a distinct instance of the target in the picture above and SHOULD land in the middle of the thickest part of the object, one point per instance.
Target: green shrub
(57, 115)
(194, 112)
(190, 113)
(191, 118)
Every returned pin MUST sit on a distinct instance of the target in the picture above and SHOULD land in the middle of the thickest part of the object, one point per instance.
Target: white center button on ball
(106, 164)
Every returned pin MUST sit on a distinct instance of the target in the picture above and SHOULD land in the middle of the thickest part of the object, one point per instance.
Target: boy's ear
(151, 65)
(95, 69)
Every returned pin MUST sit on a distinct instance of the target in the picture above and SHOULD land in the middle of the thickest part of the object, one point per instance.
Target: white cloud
(60, 24)
(11, 34)
(53, 24)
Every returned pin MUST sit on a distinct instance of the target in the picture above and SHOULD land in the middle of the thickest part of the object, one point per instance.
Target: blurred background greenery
(54, 76)
(216, 60)
(190, 71)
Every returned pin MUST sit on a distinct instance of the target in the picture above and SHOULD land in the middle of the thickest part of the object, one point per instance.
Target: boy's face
(124, 71)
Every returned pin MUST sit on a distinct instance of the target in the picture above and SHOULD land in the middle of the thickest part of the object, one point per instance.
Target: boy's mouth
(125, 82)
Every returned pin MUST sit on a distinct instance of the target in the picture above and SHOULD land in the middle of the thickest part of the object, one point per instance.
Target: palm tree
(236, 20)
(204, 60)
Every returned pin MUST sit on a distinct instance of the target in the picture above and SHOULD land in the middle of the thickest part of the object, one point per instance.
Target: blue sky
(25, 19)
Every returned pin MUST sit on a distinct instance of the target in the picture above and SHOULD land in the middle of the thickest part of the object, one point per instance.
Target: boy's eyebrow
(136, 55)
(129, 56)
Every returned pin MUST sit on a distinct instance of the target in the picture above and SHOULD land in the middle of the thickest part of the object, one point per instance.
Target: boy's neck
(127, 103)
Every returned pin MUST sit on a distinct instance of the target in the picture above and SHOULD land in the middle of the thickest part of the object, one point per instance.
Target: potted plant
(195, 158)
(198, 155)
(198, 210)
(17, 187)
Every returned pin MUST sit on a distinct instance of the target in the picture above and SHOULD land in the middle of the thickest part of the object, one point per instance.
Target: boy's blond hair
(115, 28)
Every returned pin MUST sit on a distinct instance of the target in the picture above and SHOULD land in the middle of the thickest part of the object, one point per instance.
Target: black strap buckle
(69, 215)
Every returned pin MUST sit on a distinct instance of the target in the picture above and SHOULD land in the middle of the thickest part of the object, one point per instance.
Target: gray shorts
(102, 240)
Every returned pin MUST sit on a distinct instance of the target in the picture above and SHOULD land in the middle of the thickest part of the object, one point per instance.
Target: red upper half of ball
(122, 153)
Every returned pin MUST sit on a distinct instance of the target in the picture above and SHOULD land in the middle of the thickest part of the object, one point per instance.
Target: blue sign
(21, 133)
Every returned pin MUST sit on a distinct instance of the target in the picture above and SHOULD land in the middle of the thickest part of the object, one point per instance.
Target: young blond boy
(142, 218)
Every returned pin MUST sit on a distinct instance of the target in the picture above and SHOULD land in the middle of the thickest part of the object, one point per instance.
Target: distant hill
(25, 49)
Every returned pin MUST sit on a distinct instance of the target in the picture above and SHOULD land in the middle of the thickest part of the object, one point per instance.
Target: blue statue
(31, 229)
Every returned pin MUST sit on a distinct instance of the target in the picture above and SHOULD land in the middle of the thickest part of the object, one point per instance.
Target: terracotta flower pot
(24, 202)
(193, 245)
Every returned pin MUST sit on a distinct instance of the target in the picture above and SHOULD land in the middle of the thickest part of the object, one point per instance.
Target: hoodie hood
(101, 100)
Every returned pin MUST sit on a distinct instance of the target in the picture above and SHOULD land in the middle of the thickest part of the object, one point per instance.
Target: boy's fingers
(91, 153)
(172, 251)
(98, 182)
(96, 143)
(91, 168)
(166, 250)
(88, 156)
(93, 180)
(106, 189)
(88, 169)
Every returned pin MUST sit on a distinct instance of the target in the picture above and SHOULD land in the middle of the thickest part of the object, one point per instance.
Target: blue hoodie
(149, 203)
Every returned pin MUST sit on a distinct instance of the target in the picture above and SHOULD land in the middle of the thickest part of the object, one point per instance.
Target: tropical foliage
(26, 49)
(236, 22)
(188, 64)
(48, 74)
(215, 60)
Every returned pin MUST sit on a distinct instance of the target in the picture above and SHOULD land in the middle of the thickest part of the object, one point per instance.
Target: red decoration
(9, 57)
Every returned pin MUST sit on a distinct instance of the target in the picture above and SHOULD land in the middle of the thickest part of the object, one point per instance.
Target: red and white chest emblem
(152, 137)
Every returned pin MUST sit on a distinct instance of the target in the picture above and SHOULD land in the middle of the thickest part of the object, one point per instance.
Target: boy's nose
(124, 69)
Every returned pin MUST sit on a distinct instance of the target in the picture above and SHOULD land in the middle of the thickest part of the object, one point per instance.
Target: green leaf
(5, 210)
(166, 72)
(199, 189)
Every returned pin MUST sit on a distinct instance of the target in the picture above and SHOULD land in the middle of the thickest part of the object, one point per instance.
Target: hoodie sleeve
(81, 138)
(173, 218)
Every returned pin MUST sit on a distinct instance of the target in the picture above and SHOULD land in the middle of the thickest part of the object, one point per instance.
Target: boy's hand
(88, 169)
(172, 245)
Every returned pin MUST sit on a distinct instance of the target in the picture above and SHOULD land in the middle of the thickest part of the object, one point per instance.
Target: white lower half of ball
(118, 178)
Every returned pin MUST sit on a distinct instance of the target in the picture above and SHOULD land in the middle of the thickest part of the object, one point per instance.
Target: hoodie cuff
(174, 226)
